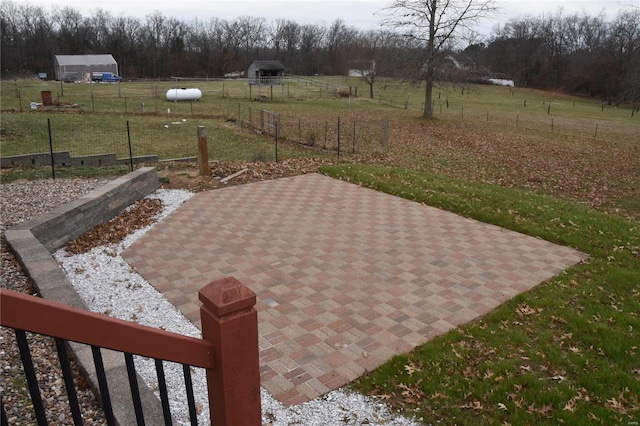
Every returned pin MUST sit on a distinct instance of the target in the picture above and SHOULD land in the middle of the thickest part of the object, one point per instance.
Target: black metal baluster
(32, 381)
(135, 392)
(104, 388)
(164, 397)
(63, 356)
(188, 383)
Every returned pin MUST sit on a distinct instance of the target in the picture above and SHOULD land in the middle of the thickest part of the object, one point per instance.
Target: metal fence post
(353, 150)
(385, 135)
(230, 322)
(53, 168)
(130, 150)
(93, 104)
(326, 130)
(338, 137)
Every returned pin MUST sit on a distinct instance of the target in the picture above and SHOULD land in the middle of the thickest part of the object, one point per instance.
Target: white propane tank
(183, 94)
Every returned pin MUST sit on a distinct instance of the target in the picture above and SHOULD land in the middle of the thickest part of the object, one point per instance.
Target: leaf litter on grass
(594, 172)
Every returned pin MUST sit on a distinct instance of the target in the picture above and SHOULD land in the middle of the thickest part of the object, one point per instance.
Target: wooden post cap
(226, 296)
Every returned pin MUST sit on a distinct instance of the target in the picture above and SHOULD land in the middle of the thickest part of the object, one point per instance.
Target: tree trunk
(431, 66)
(428, 109)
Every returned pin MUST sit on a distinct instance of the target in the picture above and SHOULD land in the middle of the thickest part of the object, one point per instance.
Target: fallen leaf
(473, 405)
(413, 367)
(524, 310)
(140, 215)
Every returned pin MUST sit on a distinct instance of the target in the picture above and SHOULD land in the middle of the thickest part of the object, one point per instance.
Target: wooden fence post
(203, 155)
(230, 322)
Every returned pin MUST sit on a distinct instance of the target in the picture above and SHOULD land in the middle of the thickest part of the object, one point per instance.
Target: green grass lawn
(566, 352)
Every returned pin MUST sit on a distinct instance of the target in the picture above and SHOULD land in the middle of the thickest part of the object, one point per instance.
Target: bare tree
(73, 30)
(285, 39)
(310, 41)
(434, 23)
(623, 49)
(252, 37)
(369, 57)
(124, 40)
(339, 40)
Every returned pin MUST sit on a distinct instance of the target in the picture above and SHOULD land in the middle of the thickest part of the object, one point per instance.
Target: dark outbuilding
(266, 73)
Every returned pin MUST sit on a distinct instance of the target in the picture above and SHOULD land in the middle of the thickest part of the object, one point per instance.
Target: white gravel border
(108, 285)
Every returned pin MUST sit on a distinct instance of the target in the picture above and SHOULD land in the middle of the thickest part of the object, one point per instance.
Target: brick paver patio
(346, 277)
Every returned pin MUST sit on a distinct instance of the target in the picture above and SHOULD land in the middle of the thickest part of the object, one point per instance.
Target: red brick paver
(346, 277)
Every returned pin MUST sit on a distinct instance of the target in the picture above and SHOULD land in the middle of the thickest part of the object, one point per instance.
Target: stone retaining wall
(67, 222)
(64, 159)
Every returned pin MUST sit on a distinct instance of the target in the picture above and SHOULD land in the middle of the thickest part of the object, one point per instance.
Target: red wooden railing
(228, 350)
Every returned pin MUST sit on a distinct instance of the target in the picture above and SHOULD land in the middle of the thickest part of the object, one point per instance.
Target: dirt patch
(180, 176)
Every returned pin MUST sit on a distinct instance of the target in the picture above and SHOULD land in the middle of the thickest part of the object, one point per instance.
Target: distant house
(468, 71)
(266, 73)
(364, 68)
(234, 74)
(461, 61)
(80, 67)
(360, 73)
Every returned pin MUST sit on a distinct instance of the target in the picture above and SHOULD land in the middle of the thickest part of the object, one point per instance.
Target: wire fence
(248, 135)
(77, 141)
(597, 120)
(354, 134)
(136, 121)
(151, 97)
(603, 129)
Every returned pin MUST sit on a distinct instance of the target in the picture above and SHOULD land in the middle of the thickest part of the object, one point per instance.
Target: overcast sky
(362, 14)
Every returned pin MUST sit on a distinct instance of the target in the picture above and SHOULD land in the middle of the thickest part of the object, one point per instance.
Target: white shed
(77, 67)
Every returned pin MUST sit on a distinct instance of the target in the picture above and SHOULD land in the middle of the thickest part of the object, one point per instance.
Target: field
(557, 144)
(97, 118)
(561, 145)
(562, 168)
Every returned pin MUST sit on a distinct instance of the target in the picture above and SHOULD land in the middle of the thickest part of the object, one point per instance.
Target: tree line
(575, 53)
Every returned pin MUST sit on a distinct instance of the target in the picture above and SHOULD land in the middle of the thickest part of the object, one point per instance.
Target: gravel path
(129, 296)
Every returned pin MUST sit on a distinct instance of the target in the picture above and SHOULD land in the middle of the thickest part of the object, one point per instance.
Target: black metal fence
(105, 376)
(39, 409)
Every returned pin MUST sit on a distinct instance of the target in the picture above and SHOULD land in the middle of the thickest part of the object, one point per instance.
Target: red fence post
(230, 322)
